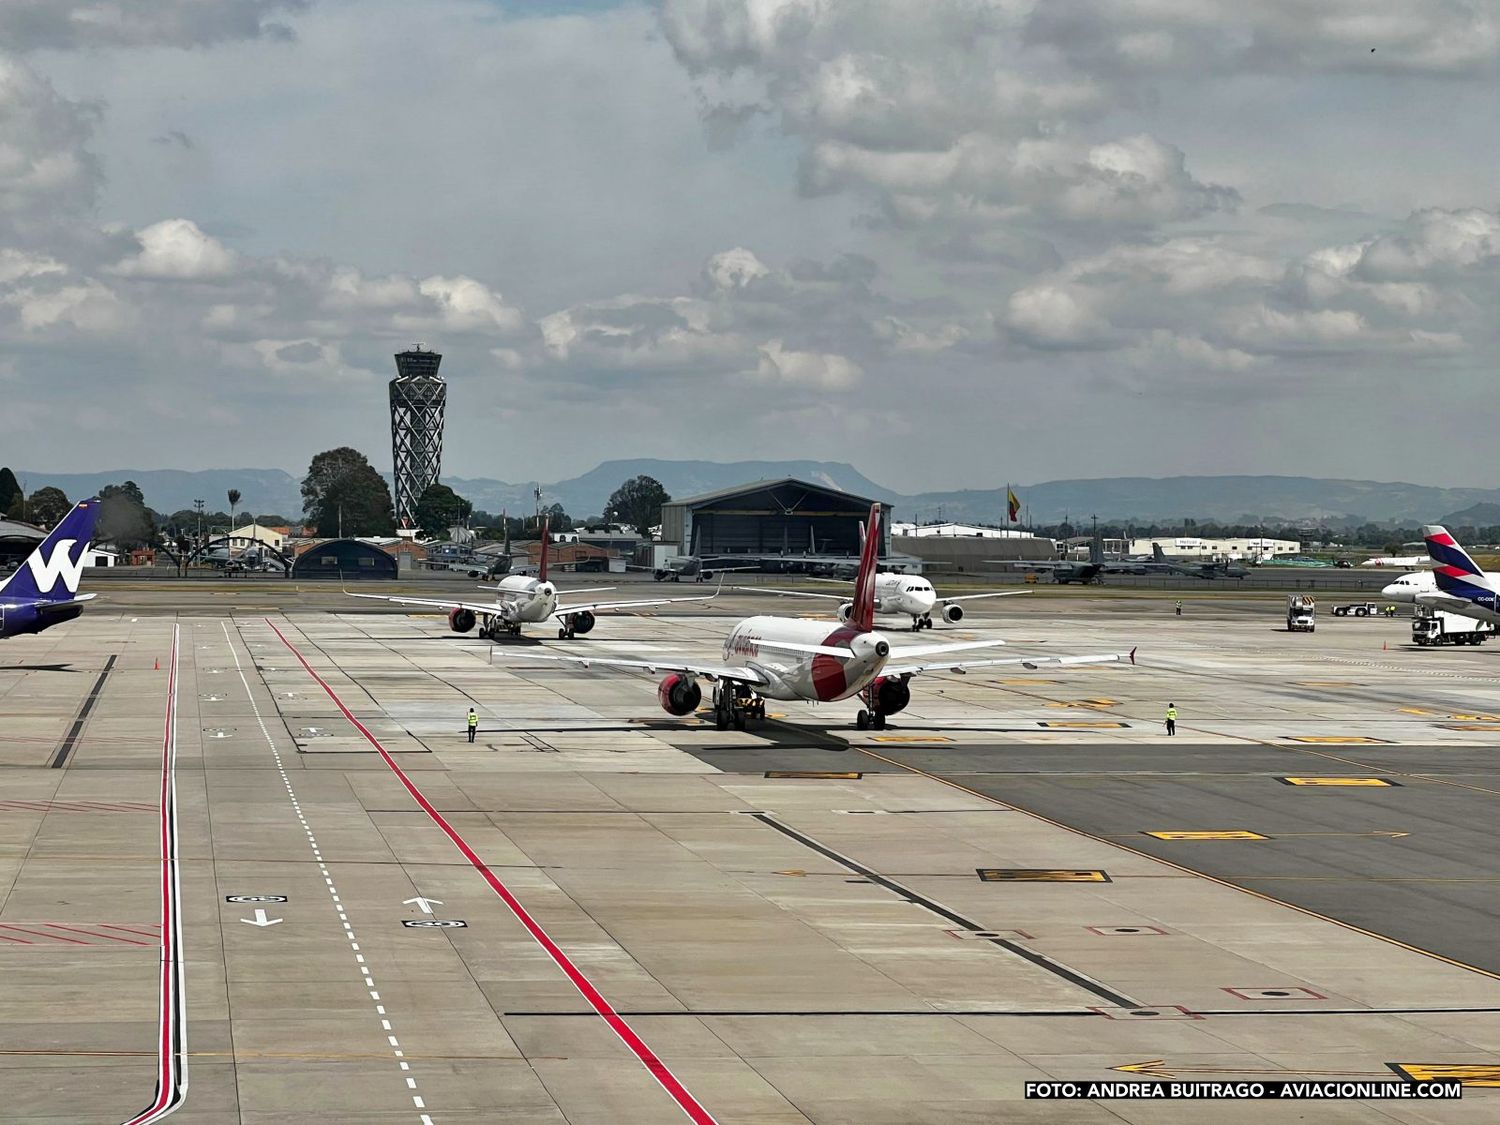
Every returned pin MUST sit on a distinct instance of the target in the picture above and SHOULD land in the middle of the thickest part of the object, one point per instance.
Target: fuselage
(1408, 586)
(814, 677)
(904, 594)
(525, 600)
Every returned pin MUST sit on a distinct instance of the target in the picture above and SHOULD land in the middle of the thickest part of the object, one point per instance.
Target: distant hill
(1234, 499)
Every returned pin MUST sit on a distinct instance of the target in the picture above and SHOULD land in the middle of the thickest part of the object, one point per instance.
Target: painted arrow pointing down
(261, 920)
(425, 905)
(1157, 1068)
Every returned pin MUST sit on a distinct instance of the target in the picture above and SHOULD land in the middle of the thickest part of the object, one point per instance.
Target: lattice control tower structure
(419, 396)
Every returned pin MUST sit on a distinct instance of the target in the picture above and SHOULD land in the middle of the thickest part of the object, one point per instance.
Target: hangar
(771, 517)
(17, 540)
(344, 559)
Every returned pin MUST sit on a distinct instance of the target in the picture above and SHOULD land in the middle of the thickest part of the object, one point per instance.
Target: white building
(267, 535)
(100, 556)
(1194, 547)
(958, 531)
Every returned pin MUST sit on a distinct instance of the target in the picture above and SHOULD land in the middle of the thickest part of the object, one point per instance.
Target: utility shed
(771, 517)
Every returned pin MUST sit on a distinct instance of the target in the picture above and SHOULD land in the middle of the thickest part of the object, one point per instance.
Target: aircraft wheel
(721, 720)
(739, 720)
(862, 720)
(562, 634)
(927, 623)
(878, 722)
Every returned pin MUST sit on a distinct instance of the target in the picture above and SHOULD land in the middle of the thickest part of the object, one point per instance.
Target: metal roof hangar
(17, 540)
(771, 517)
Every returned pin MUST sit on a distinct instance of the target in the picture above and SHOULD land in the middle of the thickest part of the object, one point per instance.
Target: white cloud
(1055, 316)
(89, 308)
(734, 269)
(46, 174)
(466, 305)
(26, 24)
(176, 250)
(820, 370)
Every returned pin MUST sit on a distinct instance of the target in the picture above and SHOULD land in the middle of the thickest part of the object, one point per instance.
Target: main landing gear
(920, 623)
(495, 628)
(734, 704)
(870, 717)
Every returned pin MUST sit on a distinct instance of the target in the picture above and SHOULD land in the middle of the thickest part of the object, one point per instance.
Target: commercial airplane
(1406, 561)
(44, 590)
(523, 600)
(1209, 570)
(792, 659)
(898, 595)
(698, 569)
(1462, 587)
(1409, 586)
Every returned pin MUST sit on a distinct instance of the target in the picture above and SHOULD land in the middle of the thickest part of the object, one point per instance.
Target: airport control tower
(418, 396)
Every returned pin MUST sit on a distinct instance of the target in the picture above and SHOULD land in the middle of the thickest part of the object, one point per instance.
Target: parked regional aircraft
(1407, 561)
(792, 659)
(1462, 587)
(897, 595)
(523, 600)
(1408, 586)
(1210, 570)
(44, 589)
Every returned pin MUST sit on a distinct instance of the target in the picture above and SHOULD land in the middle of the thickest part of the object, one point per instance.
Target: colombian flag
(1013, 503)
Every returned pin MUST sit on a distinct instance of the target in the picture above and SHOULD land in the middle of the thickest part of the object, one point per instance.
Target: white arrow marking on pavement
(261, 919)
(424, 904)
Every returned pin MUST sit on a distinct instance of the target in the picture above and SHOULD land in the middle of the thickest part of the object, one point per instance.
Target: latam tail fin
(863, 615)
(541, 571)
(1456, 573)
(51, 573)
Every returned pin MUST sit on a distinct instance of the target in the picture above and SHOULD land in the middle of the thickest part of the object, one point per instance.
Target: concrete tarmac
(786, 924)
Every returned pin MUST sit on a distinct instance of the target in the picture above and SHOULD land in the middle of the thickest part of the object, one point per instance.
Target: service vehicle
(1433, 626)
(1356, 609)
(1300, 613)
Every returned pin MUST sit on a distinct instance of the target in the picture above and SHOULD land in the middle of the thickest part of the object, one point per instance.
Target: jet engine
(581, 622)
(891, 694)
(846, 611)
(461, 620)
(953, 614)
(679, 694)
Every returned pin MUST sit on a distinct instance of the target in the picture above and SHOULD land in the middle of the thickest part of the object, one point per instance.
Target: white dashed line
(385, 1024)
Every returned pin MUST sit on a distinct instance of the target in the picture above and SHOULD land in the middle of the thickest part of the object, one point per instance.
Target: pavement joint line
(328, 881)
(638, 1047)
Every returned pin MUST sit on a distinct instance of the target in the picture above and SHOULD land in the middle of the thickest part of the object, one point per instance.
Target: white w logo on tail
(58, 565)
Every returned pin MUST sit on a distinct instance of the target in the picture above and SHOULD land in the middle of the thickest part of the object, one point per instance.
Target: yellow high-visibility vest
(1171, 712)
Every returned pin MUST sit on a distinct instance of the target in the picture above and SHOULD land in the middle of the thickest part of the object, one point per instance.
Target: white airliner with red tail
(809, 661)
(523, 600)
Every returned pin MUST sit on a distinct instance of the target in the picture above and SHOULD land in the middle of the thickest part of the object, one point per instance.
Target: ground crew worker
(1179, 609)
(473, 723)
(1171, 718)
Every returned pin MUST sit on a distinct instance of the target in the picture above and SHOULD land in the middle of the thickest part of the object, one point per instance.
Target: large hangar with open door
(788, 518)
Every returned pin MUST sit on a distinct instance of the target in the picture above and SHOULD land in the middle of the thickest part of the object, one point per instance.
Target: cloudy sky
(954, 242)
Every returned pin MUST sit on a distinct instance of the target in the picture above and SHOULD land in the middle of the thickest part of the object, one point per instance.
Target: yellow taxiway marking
(1039, 875)
(1079, 725)
(909, 738)
(1346, 781)
(1088, 704)
(1222, 834)
(1158, 1068)
(1475, 718)
(1467, 1075)
(1337, 739)
(818, 775)
(1414, 711)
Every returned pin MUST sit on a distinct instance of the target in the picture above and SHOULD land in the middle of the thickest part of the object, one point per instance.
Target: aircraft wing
(1028, 662)
(976, 597)
(563, 610)
(789, 593)
(1461, 606)
(708, 671)
(913, 651)
(489, 610)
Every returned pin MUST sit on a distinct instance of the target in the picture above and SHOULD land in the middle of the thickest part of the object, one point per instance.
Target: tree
(439, 508)
(638, 503)
(342, 494)
(48, 505)
(11, 496)
(234, 502)
(124, 517)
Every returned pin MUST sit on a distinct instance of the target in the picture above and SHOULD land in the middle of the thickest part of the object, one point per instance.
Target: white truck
(1431, 626)
(1299, 613)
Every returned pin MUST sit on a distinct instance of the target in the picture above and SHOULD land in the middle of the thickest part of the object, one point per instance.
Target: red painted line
(648, 1058)
(90, 933)
(18, 941)
(127, 929)
(41, 934)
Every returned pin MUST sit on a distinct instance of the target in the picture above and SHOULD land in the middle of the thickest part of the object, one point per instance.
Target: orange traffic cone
(1383, 647)
(156, 666)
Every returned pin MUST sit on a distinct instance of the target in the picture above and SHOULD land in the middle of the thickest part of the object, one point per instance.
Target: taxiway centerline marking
(171, 1053)
(338, 906)
(627, 1035)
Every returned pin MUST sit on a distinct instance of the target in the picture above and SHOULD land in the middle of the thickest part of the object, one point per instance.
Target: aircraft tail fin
(1455, 572)
(863, 616)
(1157, 554)
(51, 573)
(541, 571)
(1096, 549)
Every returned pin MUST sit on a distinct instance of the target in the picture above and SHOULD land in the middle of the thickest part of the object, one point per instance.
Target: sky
(954, 243)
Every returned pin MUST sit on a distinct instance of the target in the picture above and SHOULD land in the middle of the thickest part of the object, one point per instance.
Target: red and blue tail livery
(1456, 574)
(44, 590)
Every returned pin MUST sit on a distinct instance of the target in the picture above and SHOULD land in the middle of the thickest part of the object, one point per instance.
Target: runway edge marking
(171, 1051)
(1179, 867)
(627, 1035)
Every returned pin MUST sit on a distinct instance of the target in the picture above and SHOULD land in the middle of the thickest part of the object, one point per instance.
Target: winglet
(1132, 656)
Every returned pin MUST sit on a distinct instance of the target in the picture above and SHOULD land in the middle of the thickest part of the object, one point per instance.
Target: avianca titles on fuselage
(524, 600)
(44, 590)
(793, 659)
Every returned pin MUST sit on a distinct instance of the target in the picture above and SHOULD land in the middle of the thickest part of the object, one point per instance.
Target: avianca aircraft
(792, 659)
(44, 591)
(522, 600)
(903, 595)
(1462, 587)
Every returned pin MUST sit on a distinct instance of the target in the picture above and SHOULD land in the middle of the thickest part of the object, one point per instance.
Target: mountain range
(1226, 499)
